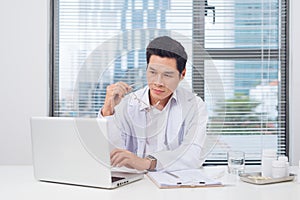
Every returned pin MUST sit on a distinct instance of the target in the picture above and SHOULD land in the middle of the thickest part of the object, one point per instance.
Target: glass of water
(236, 162)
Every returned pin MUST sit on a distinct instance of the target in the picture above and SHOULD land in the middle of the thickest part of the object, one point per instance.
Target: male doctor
(162, 126)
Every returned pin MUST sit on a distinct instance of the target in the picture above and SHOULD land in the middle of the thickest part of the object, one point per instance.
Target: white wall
(295, 81)
(23, 75)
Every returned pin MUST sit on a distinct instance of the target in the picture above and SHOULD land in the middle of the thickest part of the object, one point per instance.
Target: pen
(171, 174)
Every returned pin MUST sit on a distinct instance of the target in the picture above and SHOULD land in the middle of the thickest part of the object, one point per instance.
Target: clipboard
(191, 178)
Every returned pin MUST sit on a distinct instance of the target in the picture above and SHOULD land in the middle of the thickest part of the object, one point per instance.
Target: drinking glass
(236, 162)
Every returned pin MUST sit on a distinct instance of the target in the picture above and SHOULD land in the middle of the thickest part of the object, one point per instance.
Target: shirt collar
(145, 98)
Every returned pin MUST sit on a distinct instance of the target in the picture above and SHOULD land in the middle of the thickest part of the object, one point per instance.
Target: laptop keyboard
(115, 178)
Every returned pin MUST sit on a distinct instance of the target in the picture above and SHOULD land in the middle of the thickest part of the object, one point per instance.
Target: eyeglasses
(137, 86)
(148, 108)
(162, 74)
(141, 102)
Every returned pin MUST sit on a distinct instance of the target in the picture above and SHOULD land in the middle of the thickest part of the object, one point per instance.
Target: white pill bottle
(268, 155)
(278, 169)
(287, 164)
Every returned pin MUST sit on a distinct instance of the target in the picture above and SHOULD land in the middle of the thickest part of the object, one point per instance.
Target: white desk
(17, 182)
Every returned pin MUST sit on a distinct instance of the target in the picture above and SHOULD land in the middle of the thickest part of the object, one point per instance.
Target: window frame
(199, 37)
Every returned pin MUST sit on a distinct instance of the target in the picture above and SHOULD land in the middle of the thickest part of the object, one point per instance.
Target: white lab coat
(185, 130)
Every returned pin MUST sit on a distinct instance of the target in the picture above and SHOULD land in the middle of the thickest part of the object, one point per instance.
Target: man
(162, 126)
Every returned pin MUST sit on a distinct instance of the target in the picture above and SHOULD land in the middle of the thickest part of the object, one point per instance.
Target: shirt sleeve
(189, 154)
(115, 134)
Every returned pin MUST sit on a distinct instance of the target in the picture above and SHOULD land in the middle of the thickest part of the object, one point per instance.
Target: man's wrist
(148, 163)
(153, 162)
(106, 112)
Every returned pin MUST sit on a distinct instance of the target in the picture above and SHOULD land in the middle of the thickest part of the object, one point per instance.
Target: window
(237, 62)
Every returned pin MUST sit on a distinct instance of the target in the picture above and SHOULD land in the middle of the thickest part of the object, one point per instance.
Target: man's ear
(182, 74)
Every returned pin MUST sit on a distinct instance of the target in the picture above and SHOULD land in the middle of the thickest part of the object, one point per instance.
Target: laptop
(75, 151)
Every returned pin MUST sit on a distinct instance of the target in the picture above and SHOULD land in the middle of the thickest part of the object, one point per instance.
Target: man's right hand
(114, 94)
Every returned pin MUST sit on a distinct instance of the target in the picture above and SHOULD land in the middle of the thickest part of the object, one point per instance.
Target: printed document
(182, 178)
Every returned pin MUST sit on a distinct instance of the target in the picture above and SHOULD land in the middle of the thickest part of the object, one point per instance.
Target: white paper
(192, 177)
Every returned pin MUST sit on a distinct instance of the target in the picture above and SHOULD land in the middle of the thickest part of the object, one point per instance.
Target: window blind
(237, 62)
(248, 46)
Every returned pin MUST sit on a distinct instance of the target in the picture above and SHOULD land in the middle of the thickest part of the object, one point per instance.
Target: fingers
(114, 94)
(119, 88)
(120, 158)
(122, 88)
(117, 91)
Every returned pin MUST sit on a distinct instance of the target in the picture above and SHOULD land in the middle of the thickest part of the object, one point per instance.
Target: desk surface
(17, 182)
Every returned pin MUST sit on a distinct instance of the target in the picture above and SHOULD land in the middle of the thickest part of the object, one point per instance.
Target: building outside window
(237, 61)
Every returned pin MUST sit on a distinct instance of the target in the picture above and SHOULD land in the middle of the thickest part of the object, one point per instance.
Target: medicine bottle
(278, 169)
(268, 155)
(287, 165)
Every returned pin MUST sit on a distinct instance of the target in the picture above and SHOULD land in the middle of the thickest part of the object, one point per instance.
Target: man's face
(163, 77)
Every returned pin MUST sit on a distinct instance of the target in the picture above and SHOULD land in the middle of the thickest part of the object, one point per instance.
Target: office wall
(295, 81)
(23, 75)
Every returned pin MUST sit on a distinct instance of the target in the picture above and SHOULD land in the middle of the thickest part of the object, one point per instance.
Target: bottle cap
(283, 158)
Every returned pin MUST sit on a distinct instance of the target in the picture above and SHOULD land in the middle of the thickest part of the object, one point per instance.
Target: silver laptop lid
(71, 150)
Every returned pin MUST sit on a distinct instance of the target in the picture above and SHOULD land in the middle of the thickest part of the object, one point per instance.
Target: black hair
(167, 47)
